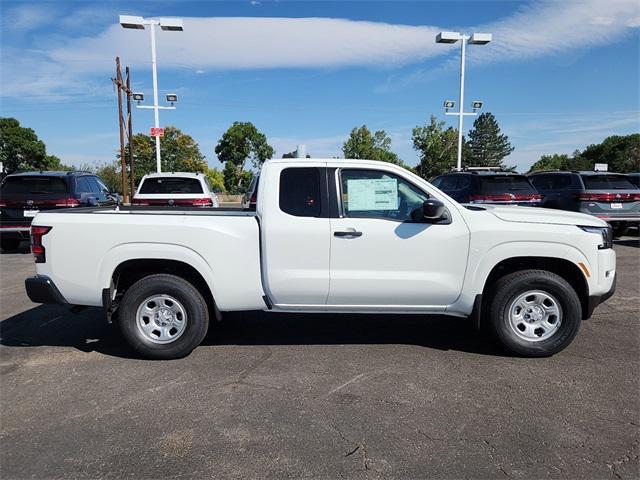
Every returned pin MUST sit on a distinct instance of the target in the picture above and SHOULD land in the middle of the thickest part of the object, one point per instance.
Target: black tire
(197, 316)
(10, 244)
(510, 287)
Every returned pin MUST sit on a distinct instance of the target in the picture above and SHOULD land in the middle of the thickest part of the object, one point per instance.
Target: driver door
(384, 253)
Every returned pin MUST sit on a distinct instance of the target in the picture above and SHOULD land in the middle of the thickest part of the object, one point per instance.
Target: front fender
(482, 263)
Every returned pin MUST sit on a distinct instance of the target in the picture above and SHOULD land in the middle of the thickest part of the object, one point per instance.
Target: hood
(515, 213)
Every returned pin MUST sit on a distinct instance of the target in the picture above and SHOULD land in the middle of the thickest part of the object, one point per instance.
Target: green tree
(620, 152)
(361, 144)
(21, 149)
(551, 162)
(436, 146)
(486, 147)
(216, 179)
(241, 142)
(179, 153)
(110, 175)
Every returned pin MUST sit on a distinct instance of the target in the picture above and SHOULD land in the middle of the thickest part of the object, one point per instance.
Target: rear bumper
(41, 289)
(15, 231)
(595, 300)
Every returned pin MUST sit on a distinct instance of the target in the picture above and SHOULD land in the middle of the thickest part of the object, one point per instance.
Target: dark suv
(488, 186)
(609, 196)
(23, 195)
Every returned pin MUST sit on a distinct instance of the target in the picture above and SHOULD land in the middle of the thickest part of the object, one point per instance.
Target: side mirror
(432, 209)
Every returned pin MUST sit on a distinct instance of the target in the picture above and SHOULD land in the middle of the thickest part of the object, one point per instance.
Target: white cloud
(207, 44)
(27, 17)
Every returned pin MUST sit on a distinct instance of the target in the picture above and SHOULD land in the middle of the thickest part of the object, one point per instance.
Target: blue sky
(558, 75)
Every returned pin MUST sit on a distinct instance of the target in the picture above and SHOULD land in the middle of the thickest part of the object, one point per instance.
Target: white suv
(176, 188)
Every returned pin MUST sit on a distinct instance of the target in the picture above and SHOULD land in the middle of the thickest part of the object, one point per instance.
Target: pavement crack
(353, 451)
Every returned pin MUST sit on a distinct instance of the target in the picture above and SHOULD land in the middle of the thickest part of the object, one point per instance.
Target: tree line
(243, 148)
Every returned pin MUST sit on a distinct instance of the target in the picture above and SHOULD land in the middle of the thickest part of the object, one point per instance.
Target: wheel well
(561, 267)
(129, 272)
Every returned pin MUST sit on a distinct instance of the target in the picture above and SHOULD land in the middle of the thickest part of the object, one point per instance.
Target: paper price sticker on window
(377, 194)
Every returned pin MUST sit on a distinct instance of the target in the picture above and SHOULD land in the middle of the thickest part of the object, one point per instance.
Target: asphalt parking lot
(346, 396)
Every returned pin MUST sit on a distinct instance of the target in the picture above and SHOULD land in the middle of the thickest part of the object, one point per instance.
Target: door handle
(350, 233)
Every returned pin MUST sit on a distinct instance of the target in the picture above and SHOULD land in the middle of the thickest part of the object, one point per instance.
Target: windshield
(36, 185)
(506, 184)
(607, 182)
(171, 185)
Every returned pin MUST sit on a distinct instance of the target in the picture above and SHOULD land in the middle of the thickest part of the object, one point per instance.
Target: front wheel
(534, 313)
(163, 317)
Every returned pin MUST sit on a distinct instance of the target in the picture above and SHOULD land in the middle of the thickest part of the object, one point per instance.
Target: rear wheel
(534, 313)
(163, 317)
(9, 244)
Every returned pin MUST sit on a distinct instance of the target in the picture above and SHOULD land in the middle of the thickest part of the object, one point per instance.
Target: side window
(94, 185)
(82, 185)
(300, 192)
(448, 183)
(378, 194)
(464, 181)
(101, 186)
(541, 182)
(559, 182)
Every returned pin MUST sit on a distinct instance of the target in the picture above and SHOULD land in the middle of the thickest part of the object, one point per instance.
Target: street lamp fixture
(473, 39)
(166, 24)
(172, 98)
(138, 97)
(449, 104)
(476, 105)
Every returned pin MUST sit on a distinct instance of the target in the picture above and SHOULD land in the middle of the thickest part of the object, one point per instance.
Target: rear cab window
(300, 192)
(35, 185)
(171, 185)
(607, 182)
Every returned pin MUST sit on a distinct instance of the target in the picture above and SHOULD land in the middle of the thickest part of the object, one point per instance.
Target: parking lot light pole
(473, 39)
(169, 24)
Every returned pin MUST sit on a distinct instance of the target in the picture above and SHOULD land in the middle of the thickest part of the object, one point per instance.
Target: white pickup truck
(328, 236)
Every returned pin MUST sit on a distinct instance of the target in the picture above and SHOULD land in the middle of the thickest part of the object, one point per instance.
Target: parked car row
(612, 197)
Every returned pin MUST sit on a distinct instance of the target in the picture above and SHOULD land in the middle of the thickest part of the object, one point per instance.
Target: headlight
(605, 232)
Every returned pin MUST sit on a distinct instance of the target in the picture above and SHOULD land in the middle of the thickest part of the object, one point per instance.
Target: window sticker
(372, 194)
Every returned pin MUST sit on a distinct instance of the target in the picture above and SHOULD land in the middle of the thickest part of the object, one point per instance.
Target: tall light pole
(168, 24)
(473, 39)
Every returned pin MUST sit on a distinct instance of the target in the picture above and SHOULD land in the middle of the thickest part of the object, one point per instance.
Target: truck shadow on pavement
(88, 331)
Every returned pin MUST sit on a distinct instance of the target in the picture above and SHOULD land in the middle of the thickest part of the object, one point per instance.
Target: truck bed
(86, 245)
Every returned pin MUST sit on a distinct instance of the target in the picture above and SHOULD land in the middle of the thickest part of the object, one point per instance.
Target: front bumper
(41, 289)
(595, 300)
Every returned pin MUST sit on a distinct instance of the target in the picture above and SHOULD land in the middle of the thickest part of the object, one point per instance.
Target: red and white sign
(157, 132)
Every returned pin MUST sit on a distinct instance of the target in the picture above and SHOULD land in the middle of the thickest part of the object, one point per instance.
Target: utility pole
(118, 82)
(132, 171)
(125, 86)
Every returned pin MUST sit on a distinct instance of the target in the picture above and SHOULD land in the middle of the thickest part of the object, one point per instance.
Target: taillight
(67, 202)
(136, 201)
(202, 202)
(609, 197)
(36, 243)
(3, 204)
(254, 199)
